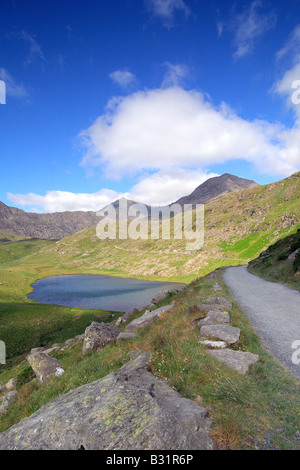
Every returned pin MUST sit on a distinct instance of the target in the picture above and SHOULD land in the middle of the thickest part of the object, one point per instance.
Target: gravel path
(273, 309)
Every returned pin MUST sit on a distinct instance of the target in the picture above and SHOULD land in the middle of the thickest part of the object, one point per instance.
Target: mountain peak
(216, 187)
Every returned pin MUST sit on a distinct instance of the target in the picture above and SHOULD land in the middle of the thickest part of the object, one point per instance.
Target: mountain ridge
(58, 225)
(238, 227)
(216, 187)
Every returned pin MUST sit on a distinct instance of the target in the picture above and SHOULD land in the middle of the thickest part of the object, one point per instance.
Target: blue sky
(144, 98)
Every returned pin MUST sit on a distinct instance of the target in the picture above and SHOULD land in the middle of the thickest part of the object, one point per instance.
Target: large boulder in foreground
(44, 366)
(99, 335)
(126, 410)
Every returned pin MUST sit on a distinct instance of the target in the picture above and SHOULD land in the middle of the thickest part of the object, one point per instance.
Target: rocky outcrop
(124, 335)
(227, 333)
(219, 302)
(236, 360)
(126, 410)
(99, 335)
(294, 255)
(213, 344)
(163, 294)
(48, 226)
(37, 350)
(9, 386)
(126, 317)
(147, 319)
(217, 287)
(198, 310)
(216, 325)
(7, 400)
(160, 296)
(44, 366)
(215, 317)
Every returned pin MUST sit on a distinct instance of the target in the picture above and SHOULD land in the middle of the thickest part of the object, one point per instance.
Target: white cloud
(286, 87)
(174, 75)
(163, 129)
(167, 186)
(35, 50)
(60, 201)
(292, 47)
(250, 26)
(167, 137)
(123, 78)
(159, 188)
(12, 88)
(220, 27)
(166, 9)
(287, 84)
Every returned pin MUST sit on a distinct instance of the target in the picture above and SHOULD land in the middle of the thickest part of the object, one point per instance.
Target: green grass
(7, 237)
(12, 248)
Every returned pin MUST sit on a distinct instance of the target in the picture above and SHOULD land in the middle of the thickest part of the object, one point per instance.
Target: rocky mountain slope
(60, 224)
(238, 227)
(127, 203)
(216, 187)
(47, 226)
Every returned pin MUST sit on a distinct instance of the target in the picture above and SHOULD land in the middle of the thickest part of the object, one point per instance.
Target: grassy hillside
(238, 227)
(280, 262)
(13, 247)
(8, 237)
(259, 410)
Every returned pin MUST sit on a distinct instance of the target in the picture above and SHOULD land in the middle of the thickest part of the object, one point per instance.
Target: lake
(97, 292)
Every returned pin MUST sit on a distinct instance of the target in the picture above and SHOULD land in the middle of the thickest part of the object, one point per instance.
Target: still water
(97, 292)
